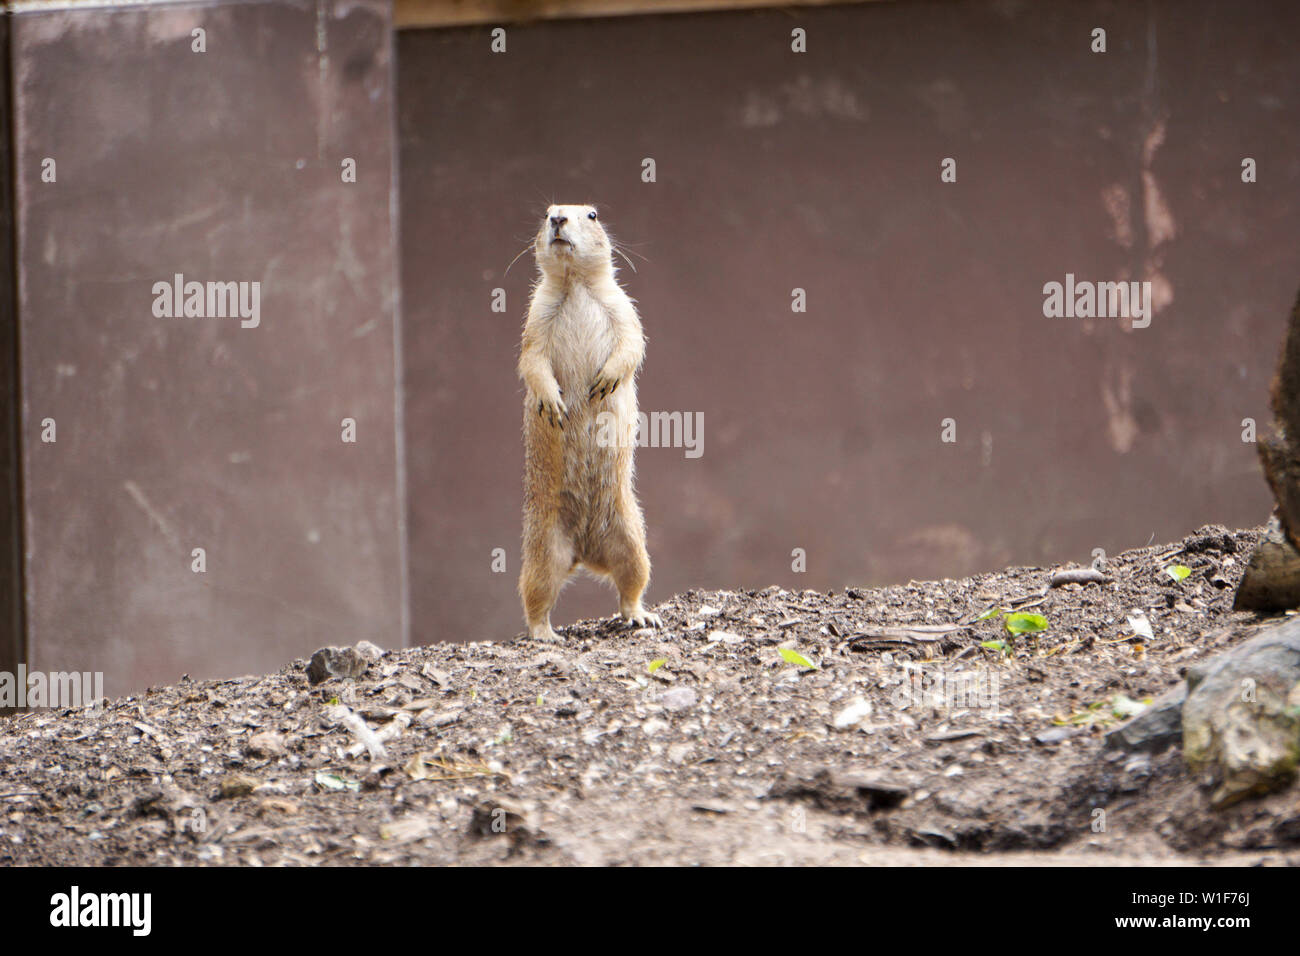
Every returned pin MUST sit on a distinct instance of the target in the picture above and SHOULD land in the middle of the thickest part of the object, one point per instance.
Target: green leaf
(1022, 623)
(1002, 646)
(656, 664)
(1178, 571)
(794, 657)
(991, 612)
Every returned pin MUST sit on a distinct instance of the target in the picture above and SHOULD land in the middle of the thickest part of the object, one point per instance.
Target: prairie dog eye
(592, 214)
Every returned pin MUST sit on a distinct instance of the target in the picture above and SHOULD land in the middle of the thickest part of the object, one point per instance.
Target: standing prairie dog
(581, 349)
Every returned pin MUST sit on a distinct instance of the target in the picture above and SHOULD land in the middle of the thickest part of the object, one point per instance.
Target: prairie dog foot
(643, 618)
(544, 632)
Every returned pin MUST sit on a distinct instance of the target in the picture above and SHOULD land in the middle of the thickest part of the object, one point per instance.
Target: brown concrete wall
(925, 300)
(182, 433)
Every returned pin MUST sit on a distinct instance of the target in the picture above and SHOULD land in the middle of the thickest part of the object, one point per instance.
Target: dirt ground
(884, 726)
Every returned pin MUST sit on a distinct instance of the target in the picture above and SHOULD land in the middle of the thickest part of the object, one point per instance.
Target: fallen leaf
(794, 657)
(1023, 623)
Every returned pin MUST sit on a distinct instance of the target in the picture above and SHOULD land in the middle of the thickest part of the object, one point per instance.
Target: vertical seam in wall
(399, 360)
(15, 551)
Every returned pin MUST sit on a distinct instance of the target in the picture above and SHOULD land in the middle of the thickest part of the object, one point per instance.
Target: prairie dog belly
(596, 439)
(581, 341)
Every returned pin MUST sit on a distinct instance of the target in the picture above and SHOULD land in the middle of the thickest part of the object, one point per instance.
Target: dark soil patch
(726, 752)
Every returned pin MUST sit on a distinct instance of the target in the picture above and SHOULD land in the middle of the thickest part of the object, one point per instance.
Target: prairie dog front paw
(605, 383)
(552, 408)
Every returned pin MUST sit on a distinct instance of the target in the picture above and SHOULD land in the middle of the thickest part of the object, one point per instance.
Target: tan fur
(582, 346)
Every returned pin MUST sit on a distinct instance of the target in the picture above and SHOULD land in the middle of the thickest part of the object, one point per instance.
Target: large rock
(337, 662)
(1272, 578)
(1241, 720)
(1157, 728)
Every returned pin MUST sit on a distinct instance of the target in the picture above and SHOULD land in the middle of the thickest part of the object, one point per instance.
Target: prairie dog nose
(558, 221)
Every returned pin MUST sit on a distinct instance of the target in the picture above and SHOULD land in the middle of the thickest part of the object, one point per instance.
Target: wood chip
(1076, 576)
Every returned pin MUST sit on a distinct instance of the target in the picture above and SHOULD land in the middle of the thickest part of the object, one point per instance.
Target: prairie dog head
(571, 237)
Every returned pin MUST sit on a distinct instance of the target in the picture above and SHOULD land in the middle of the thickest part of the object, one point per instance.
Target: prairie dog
(582, 346)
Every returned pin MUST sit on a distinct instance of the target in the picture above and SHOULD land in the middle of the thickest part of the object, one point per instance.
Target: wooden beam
(408, 14)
